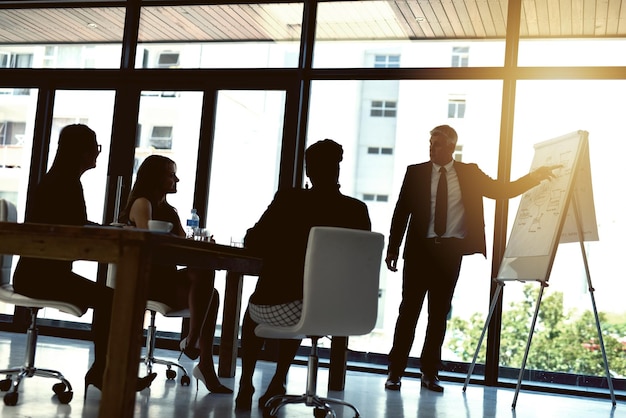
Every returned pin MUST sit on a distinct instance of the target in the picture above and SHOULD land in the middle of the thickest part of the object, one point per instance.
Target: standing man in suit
(435, 243)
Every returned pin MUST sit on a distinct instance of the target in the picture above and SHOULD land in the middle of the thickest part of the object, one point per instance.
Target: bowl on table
(159, 226)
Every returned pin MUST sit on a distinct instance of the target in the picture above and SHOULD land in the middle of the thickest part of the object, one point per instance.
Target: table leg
(230, 325)
(129, 305)
(338, 363)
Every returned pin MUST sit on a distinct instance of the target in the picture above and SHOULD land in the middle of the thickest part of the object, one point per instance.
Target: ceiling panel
(347, 20)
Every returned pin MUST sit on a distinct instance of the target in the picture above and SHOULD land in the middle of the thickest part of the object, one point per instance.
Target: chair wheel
(185, 380)
(10, 399)
(65, 397)
(320, 412)
(59, 388)
(5, 384)
(170, 374)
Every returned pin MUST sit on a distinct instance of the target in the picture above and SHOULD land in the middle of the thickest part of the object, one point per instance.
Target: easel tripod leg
(530, 337)
(494, 301)
(593, 299)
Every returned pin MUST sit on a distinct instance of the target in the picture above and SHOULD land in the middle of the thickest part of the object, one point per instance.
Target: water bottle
(193, 223)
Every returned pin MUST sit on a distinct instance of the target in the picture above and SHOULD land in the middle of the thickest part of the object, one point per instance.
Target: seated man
(280, 238)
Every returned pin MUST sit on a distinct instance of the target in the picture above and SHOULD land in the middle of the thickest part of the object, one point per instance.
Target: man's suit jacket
(413, 206)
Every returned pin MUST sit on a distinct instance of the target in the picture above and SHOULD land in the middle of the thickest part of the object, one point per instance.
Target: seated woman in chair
(58, 199)
(280, 238)
(178, 288)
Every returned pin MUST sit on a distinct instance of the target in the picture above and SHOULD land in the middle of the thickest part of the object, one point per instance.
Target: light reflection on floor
(170, 399)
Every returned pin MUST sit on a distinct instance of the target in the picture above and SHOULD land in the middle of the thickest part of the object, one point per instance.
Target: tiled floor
(170, 399)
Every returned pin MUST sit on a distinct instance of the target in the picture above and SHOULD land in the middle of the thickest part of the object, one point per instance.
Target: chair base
(63, 389)
(310, 398)
(149, 360)
(322, 405)
(170, 374)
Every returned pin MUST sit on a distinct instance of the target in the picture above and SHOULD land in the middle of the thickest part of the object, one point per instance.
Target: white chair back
(341, 277)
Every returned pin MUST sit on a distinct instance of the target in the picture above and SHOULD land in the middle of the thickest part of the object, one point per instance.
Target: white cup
(159, 226)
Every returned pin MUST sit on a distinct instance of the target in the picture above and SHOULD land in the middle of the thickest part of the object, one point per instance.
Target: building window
(5, 59)
(370, 197)
(456, 108)
(168, 59)
(458, 153)
(383, 108)
(12, 60)
(161, 137)
(50, 56)
(386, 61)
(12, 133)
(380, 150)
(460, 56)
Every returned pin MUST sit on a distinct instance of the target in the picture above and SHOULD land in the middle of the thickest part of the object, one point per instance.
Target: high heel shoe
(192, 352)
(243, 401)
(219, 388)
(95, 377)
(144, 382)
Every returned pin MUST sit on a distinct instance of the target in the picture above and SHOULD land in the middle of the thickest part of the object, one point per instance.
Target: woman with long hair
(58, 199)
(179, 288)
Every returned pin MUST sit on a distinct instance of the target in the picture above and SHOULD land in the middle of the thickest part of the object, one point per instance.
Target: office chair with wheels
(14, 375)
(148, 359)
(340, 298)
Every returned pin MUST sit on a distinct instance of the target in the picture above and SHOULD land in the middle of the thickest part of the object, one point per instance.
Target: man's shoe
(393, 382)
(431, 383)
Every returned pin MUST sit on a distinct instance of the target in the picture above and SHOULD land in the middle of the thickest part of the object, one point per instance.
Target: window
(377, 150)
(5, 60)
(387, 61)
(369, 197)
(13, 60)
(460, 56)
(50, 56)
(168, 59)
(12, 133)
(161, 137)
(456, 108)
(458, 153)
(382, 108)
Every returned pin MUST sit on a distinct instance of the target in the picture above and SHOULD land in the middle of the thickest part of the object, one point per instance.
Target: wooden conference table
(134, 251)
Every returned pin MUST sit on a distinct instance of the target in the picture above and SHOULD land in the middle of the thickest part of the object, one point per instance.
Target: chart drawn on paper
(541, 207)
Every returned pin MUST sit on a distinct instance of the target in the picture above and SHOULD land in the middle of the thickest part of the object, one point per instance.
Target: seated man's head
(322, 163)
(78, 149)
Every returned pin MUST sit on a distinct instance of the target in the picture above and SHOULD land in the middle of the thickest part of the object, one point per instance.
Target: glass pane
(566, 336)
(61, 37)
(17, 120)
(169, 125)
(376, 177)
(93, 108)
(265, 35)
(381, 33)
(588, 34)
(572, 52)
(245, 164)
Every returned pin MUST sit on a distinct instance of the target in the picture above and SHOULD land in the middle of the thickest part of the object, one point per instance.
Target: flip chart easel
(555, 211)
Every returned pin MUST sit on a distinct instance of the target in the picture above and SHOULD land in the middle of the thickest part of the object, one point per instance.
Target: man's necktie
(441, 203)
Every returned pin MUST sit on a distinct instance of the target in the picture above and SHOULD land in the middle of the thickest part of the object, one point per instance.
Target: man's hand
(392, 261)
(544, 172)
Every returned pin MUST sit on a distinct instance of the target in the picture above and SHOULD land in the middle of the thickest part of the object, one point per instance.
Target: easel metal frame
(544, 284)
